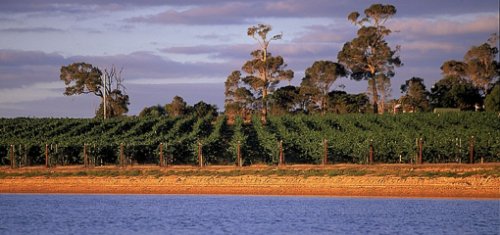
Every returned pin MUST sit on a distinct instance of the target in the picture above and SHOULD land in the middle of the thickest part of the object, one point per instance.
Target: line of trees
(178, 107)
(469, 84)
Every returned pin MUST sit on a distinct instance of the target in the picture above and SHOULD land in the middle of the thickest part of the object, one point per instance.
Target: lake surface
(181, 214)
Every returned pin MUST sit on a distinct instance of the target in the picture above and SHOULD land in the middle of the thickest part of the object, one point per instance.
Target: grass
(270, 171)
(159, 173)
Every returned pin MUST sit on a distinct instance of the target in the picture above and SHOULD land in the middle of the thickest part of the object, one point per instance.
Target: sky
(189, 47)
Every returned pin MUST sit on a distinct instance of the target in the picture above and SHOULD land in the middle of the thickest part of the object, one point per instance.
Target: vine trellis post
(325, 151)
(238, 152)
(47, 162)
(370, 160)
(12, 159)
(161, 155)
(471, 150)
(282, 156)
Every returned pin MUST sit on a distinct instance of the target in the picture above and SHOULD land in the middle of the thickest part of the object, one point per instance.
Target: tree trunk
(383, 86)
(263, 112)
(381, 104)
(374, 94)
(323, 105)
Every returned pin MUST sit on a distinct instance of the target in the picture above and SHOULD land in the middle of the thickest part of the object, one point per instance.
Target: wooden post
(200, 155)
(47, 164)
(122, 155)
(420, 148)
(122, 159)
(282, 157)
(370, 161)
(161, 154)
(166, 160)
(85, 157)
(93, 159)
(25, 156)
(61, 155)
(12, 163)
(325, 151)
(238, 152)
(471, 151)
(416, 152)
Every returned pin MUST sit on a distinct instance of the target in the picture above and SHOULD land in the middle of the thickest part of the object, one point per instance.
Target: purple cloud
(139, 65)
(294, 53)
(16, 58)
(283, 8)
(446, 27)
(28, 77)
(230, 13)
(430, 32)
(238, 12)
(332, 33)
(32, 30)
(221, 51)
(25, 67)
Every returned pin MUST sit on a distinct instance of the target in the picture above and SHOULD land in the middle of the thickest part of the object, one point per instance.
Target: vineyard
(290, 139)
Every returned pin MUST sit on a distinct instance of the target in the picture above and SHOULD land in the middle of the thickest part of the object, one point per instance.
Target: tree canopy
(177, 107)
(455, 92)
(238, 99)
(83, 78)
(369, 56)
(482, 67)
(285, 100)
(319, 79)
(492, 100)
(153, 111)
(415, 96)
(264, 71)
(341, 102)
(202, 109)
(479, 65)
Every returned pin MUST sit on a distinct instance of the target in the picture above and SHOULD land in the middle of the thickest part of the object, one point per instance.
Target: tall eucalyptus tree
(369, 56)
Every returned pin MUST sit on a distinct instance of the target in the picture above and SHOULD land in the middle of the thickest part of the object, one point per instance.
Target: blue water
(166, 214)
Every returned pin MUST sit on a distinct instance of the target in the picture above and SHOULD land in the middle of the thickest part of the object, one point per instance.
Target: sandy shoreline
(389, 180)
(349, 186)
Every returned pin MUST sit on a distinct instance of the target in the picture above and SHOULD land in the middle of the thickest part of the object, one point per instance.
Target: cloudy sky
(189, 47)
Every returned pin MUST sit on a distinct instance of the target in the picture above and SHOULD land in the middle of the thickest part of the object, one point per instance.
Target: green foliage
(202, 109)
(153, 111)
(482, 66)
(177, 107)
(368, 56)
(492, 100)
(446, 138)
(416, 97)
(342, 102)
(455, 92)
(215, 146)
(238, 138)
(264, 70)
(265, 141)
(320, 77)
(285, 100)
(81, 78)
(116, 105)
(238, 99)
